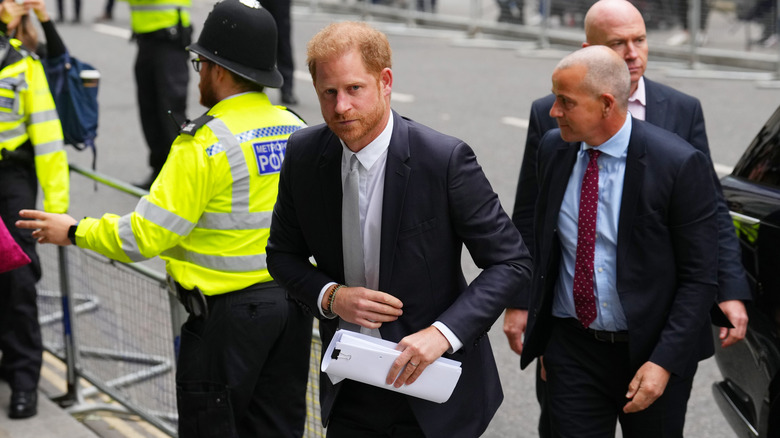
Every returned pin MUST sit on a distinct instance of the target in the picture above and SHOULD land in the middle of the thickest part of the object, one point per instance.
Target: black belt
(173, 33)
(197, 304)
(599, 335)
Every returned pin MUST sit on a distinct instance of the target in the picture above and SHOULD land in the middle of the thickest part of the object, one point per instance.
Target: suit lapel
(632, 186)
(329, 183)
(657, 104)
(560, 169)
(397, 176)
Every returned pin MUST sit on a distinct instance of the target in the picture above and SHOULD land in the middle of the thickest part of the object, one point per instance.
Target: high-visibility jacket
(152, 15)
(27, 112)
(208, 214)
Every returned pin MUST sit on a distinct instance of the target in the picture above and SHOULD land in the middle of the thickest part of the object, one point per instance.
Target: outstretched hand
(48, 227)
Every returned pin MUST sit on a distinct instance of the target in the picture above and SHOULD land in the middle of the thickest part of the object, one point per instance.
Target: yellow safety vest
(152, 15)
(208, 214)
(27, 112)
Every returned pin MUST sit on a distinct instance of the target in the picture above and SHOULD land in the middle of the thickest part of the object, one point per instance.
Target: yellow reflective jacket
(27, 112)
(208, 214)
(152, 15)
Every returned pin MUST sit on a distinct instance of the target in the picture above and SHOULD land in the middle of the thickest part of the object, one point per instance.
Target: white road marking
(119, 32)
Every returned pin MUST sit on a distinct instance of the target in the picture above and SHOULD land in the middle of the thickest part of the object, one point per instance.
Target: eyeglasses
(196, 63)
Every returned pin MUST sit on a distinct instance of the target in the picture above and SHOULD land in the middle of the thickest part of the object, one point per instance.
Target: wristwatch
(72, 233)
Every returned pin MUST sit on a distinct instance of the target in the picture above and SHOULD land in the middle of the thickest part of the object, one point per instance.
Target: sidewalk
(51, 421)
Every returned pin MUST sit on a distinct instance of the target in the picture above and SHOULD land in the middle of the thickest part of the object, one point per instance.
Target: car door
(750, 368)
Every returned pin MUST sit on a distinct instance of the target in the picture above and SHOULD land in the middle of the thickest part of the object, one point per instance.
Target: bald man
(618, 25)
(613, 187)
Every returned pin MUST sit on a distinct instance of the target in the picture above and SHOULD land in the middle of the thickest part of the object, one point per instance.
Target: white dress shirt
(373, 162)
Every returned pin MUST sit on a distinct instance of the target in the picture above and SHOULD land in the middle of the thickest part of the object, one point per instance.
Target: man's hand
(419, 350)
(49, 227)
(648, 384)
(736, 313)
(515, 321)
(364, 307)
(39, 6)
(10, 10)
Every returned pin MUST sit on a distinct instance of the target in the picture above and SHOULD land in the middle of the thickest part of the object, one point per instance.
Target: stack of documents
(366, 359)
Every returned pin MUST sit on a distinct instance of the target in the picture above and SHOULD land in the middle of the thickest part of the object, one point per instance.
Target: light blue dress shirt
(612, 171)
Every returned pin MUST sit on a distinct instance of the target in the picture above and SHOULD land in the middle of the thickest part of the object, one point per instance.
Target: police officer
(162, 30)
(244, 355)
(31, 146)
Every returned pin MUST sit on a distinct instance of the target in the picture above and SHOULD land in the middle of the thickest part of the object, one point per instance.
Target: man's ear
(386, 81)
(608, 104)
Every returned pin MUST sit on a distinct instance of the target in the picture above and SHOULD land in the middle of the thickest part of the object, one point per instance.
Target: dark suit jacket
(667, 258)
(436, 199)
(666, 108)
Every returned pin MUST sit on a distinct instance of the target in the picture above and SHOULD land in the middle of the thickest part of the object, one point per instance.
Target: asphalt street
(480, 93)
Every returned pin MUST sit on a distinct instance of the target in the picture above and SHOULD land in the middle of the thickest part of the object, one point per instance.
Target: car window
(761, 161)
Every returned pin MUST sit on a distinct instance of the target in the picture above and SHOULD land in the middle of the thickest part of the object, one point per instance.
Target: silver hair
(606, 72)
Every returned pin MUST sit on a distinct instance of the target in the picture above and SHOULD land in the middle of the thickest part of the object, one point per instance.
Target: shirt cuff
(455, 343)
(319, 301)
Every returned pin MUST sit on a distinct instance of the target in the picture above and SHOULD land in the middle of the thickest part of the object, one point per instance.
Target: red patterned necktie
(584, 300)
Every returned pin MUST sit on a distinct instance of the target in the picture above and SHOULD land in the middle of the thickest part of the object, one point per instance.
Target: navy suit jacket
(666, 108)
(436, 199)
(666, 256)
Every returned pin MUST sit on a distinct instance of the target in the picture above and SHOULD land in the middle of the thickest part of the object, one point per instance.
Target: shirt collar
(617, 145)
(369, 154)
(639, 95)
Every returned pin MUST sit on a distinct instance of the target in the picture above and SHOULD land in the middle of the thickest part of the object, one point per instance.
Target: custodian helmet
(240, 35)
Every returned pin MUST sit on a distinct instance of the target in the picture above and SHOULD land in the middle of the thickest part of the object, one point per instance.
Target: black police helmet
(240, 35)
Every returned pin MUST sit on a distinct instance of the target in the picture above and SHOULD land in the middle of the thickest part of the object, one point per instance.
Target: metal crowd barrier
(116, 326)
(735, 35)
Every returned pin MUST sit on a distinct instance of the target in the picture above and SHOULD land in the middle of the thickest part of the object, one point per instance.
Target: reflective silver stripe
(246, 263)
(163, 218)
(13, 133)
(126, 236)
(238, 166)
(47, 148)
(145, 8)
(10, 117)
(43, 116)
(235, 221)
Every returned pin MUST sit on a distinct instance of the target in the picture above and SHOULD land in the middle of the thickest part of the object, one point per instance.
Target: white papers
(366, 359)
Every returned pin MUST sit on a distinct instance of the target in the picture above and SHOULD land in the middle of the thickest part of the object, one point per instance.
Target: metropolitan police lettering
(270, 155)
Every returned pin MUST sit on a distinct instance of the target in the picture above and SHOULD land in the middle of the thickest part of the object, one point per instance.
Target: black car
(749, 395)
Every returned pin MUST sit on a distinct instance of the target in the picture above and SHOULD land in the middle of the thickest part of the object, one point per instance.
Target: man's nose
(343, 103)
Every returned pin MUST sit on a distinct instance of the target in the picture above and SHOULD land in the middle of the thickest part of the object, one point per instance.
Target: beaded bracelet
(332, 298)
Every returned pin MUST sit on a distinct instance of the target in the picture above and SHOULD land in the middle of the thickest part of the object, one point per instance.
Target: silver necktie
(352, 235)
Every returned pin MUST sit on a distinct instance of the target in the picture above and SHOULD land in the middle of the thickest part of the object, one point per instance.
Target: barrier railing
(116, 326)
(730, 33)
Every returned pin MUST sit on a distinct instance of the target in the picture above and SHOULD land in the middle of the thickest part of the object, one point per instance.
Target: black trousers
(280, 10)
(162, 77)
(365, 411)
(243, 371)
(587, 380)
(76, 10)
(20, 333)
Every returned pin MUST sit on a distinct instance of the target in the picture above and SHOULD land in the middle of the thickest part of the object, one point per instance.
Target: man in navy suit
(653, 265)
(422, 197)
(619, 25)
